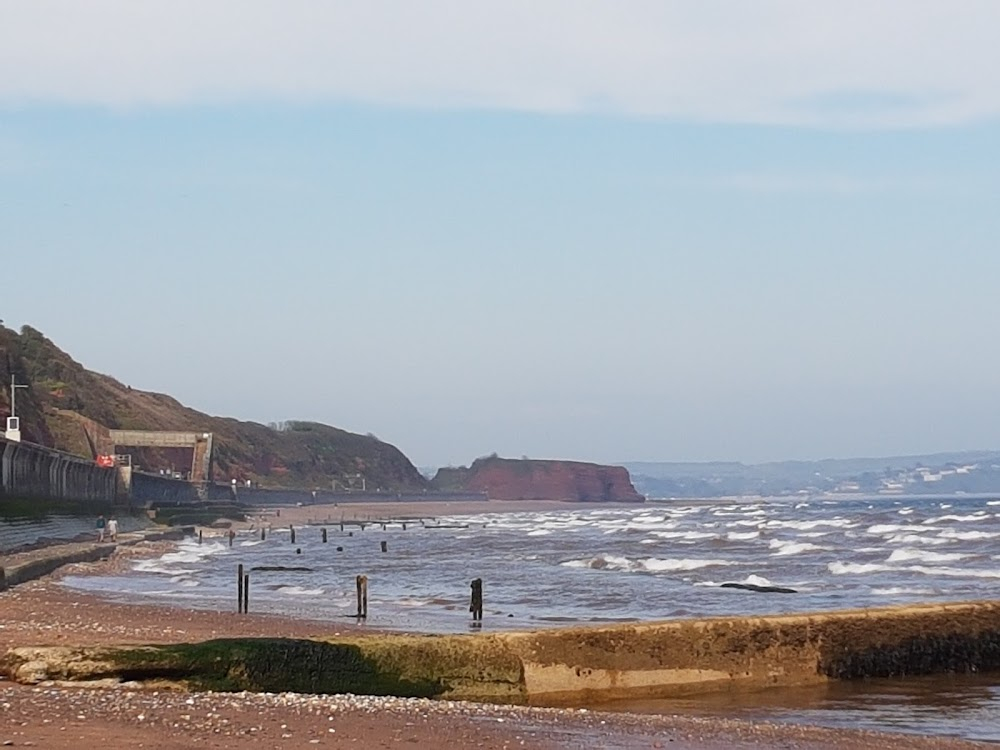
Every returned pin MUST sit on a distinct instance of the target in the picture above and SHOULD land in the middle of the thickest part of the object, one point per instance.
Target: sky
(595, 230)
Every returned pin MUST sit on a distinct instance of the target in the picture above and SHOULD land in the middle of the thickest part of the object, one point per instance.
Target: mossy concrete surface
(560, 666)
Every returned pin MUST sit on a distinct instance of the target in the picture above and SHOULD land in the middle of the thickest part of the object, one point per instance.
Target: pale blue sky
(674, 267)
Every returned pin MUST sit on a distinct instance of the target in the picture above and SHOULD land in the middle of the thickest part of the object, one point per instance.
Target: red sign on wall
(107, 461)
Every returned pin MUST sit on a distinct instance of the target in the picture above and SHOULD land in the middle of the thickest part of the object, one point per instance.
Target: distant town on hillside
(970, 472)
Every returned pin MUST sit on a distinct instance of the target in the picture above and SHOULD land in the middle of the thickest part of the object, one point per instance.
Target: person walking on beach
(100, 528)
(113, 528)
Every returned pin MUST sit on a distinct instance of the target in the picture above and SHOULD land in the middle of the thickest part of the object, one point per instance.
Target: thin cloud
(896, 63)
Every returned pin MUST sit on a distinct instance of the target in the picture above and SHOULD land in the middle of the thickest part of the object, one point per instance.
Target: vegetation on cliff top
(64, 398)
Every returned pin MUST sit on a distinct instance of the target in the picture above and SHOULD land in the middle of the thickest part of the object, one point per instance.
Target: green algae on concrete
(408, 666)
(569, 665)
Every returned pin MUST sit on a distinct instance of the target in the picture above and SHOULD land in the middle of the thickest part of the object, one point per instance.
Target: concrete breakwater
(27, 566)
(577, 665)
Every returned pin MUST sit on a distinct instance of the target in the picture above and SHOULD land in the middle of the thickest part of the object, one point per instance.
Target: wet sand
(62, 717)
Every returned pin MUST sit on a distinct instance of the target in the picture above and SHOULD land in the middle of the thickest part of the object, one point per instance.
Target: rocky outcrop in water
(531, 479)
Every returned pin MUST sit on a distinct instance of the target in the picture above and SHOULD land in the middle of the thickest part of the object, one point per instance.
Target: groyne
(568, 666)
(34, 472)
(264, 497)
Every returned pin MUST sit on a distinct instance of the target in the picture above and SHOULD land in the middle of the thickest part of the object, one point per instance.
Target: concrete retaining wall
(147, 490)
(570, 666)
(32, 471)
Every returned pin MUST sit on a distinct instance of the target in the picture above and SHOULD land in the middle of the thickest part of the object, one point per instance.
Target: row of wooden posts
(291, 529)
(361, 581)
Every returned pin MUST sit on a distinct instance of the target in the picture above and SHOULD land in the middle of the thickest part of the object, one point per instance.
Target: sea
(597, 565)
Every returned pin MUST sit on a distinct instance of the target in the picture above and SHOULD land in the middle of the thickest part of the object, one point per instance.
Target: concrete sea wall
(148, 490)
(578, 665)
(33, 472)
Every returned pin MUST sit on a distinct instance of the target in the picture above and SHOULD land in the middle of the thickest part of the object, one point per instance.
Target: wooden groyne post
(232, 536)
(476, 604)
(262, 533)
(385, 546)
(291, 529)
(323, 532)
(362, 582)
(199, 536)
(239, 588)
(246, 593)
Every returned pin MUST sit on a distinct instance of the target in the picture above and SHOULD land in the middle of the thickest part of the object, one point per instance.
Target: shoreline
(329, 514)
(44, 611)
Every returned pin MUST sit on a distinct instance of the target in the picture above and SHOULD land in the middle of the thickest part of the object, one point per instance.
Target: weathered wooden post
(404, 527)
(199, 536)
(246, 594)
(292, 530)
(362, 582)
(324, 536)
(239, 588)
(385, 546)
(232, 536)
(262, 533)
(476, 605)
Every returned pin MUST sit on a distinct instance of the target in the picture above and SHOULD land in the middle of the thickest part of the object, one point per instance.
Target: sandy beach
(43, 612)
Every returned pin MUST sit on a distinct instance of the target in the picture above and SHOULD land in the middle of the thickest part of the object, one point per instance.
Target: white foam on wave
(689, 535)
(755, 524)
(600, 562)
(738, 536)
(848, 568)
(298, 591)
(967, 536)
(922, 555)
(975, 517)
(914, 539)
(902, 591)
(894, 528)
(540, 532)
(837, 523)
(658, 565)
(644, 565)
(792, 547)
(157, 566)
(905, 511)
(413, 601)
(955, 572)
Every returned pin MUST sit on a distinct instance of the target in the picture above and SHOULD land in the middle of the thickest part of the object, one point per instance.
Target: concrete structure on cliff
(200, 444)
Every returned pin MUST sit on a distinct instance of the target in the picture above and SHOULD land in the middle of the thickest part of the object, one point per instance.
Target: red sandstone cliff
(529, 479)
